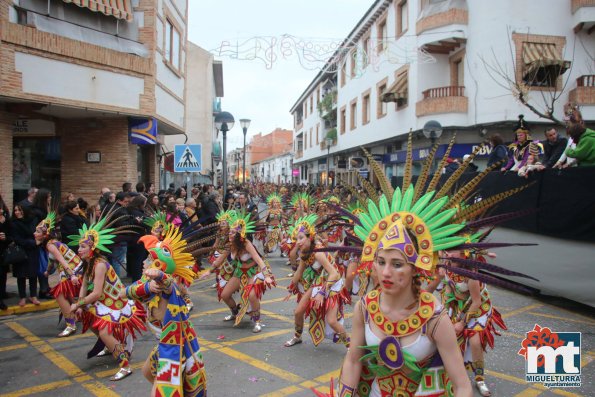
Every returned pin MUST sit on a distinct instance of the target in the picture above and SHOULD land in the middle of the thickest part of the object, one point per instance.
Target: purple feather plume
(489, 279)
(488, 266)
(344, 213)
(340, 248)
(496, 219)
(485, 246)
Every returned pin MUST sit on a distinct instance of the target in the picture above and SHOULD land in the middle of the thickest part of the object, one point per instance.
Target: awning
(120, 9)
(542, 56)
(398, 90)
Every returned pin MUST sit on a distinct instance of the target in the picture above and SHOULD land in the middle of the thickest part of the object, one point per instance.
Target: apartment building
(275, 169)
(407, 62)
(89, 91)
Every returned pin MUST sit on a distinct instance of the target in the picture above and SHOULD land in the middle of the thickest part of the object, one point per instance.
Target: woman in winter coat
(71, 221)
(4, 240)
(21, 232)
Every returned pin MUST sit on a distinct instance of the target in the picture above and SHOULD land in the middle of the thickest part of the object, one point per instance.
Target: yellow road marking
(271, 369)
(13, 347)
(562, 318)
(586, 360)
(277, 316)
(263, 335)
(522, 310)
(529, 393)
(39, 388)
(513, 335)
(61, 361)
(286, 391)
(326, 378)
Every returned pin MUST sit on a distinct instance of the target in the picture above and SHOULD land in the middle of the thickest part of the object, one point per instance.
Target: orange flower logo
(537, 338)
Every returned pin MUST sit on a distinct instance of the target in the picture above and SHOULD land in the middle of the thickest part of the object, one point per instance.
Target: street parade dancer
(402, 340)
(251, 276)
(273, 220)
(319, 284)
(68, 265)
(175, 366)
(115, 320)
(224, 270)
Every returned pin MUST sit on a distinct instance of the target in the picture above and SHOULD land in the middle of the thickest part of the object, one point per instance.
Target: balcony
(450, 99)
(584, 93)
(583, 15)
(299, 154)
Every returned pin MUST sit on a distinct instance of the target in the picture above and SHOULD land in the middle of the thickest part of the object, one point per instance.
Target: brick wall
(582, 95)
(451, 104)
(265, 146)
(450, 17)
(118, 157)
(576, 4)
(6, 122)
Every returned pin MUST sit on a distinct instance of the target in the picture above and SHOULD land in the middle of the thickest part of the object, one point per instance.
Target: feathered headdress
(301, 199)
(158, 223)
(242, 224)
(169, 255)
(226, 216)
(97, 236)
(306, 225)
(47, 224)
(420, 221)
(273, 197)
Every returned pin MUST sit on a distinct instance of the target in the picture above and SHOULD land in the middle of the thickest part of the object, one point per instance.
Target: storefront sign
(364, 173)
(295, 172)
(142, 131)
(33, 127)
(420, 154)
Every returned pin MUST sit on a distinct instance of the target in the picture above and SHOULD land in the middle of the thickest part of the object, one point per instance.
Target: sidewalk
(13, 298)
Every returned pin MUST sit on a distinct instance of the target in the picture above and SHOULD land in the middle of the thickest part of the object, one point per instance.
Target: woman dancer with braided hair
(252, 275)
(113, 319)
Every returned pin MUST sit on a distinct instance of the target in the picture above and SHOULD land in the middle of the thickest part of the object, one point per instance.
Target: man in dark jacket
(553, 147)
(209, 210)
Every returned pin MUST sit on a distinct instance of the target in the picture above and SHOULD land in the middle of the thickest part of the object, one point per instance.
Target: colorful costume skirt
(338, 296)
(66, 287)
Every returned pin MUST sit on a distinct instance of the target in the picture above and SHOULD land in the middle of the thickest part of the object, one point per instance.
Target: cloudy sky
(256, 87)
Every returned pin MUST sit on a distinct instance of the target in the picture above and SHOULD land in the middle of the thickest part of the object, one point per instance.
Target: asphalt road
(240, 363)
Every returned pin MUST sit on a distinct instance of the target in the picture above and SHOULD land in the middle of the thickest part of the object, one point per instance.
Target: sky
(258, 89)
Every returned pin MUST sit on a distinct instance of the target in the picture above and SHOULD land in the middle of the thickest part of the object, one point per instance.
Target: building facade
(77, 78)
(275, 169)
(268, 145)
(409, 62)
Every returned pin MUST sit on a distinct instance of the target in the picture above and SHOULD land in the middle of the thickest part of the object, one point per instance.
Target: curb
(29, 308)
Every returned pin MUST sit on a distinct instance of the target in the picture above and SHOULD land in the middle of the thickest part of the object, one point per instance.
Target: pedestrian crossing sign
(188, 158)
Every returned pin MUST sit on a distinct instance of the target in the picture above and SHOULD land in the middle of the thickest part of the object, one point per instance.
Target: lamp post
(224, 122)
(329, 142)
(432, 131)
(245, 123)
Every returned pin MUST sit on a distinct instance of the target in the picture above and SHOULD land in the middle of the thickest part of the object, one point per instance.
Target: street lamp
(432, 131)
(245, 123)
(329, 142)
(224, 122)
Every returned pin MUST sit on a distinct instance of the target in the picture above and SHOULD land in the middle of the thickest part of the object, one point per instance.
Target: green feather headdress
(242, 224)
(48, 224)
(305, 224)
(273, 197)
(158, 219)
(97, 236)
(226, 216)
(302, 198)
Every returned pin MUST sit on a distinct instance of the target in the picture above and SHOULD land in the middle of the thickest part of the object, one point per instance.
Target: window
(365, 51)
(380, 104)
(353, 58)
(343, 73)
(366, 107)
(317, 128)
(310, 137)
(343, 119)
(305, 108)
(317, 96)
(353, 114)
(540, 62)
(382, 36)
(311, 103)
(172, 44)
(402, 17)
(305, 140)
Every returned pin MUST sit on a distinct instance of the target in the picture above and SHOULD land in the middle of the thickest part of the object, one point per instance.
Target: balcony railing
(443, 92)
(587, 80)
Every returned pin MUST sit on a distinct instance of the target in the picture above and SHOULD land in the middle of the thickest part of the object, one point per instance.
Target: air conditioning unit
(355, 163)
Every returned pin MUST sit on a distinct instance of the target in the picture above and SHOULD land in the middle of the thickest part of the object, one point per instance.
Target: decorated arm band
(344, 390)
(80, 302)
(267, 272)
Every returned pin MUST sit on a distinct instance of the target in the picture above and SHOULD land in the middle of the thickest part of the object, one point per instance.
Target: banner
(142, 131)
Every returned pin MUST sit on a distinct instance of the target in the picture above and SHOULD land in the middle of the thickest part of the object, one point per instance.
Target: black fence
(565, 201)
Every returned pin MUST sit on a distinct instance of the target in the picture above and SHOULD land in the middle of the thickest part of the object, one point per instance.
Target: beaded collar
(407, 326)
